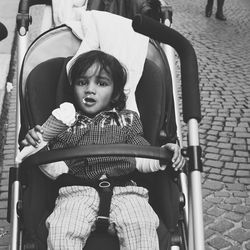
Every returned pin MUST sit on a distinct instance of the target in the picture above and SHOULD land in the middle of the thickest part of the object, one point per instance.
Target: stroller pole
(196, 236)
(169, 51)
(23, 21)
(191, 110)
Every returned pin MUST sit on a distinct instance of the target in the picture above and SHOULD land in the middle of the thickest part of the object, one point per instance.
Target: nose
(90, 88)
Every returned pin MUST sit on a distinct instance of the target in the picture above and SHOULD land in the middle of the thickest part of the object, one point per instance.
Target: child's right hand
(32, 137)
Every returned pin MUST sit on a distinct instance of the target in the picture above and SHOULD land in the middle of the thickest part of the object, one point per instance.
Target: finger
(176, 163)
(176, 156)
(35, 136)
(29, 140)
(180, 164)
(174, 148)
(39, 129)
(24, 142)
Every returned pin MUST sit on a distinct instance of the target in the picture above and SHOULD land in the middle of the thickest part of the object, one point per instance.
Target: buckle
(104, 184)
(106, 219)
(102, 223)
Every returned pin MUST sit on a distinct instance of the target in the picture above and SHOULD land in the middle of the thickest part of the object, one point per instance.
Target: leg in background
(209, 8)
(219, 14)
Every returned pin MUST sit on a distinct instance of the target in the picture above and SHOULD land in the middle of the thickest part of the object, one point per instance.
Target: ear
(115, 99)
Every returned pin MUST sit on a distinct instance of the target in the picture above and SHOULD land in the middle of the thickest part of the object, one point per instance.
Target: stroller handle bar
(127, 150)
(189, 67)
(24, 5)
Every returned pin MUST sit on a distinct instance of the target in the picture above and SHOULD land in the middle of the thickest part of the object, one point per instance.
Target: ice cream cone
(52, 127)
(60, 120)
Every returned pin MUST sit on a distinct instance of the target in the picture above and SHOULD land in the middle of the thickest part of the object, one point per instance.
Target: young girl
(98, 81)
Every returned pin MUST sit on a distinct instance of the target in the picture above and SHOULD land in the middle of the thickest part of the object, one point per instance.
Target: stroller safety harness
(104, 187)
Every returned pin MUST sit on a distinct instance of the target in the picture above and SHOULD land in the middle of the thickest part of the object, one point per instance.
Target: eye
(81, 82)
(102, 83)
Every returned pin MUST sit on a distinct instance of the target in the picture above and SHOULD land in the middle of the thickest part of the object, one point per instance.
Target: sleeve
(135, 136)
(135, 131)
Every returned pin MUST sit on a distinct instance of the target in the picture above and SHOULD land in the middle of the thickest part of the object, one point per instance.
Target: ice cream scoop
(60, 119)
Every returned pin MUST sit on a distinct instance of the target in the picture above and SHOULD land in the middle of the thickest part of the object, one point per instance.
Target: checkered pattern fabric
(75, 213)
(108, 127)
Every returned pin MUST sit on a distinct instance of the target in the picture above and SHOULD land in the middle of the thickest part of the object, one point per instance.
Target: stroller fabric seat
(49, 81)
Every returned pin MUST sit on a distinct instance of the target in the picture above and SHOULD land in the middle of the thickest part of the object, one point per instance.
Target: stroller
(43, 75)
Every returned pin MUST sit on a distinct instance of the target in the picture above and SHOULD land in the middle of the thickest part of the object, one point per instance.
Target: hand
(178, 161)
(32, 137)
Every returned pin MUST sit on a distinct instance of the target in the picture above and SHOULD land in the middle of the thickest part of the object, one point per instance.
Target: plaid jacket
(108, 127)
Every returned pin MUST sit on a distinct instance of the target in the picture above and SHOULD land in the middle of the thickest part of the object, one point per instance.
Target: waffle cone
(52, 127)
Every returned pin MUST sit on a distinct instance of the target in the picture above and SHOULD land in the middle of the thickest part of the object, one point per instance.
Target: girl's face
(93, 91)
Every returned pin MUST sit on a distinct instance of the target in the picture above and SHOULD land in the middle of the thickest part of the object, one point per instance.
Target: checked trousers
(75, 213)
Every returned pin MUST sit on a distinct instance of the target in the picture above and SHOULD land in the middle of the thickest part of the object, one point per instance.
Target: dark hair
(111, 66)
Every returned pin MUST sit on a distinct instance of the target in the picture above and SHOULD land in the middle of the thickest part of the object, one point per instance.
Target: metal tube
(169, 51)
(14, 225)
(196, 192)
(175, 248)
(197, 210)
(190, 225)
(22, 48)
(14, 221)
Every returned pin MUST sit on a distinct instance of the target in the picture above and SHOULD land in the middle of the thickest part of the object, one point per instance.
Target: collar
(113, 113)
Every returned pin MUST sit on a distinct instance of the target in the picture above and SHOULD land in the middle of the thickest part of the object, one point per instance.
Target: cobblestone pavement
(223, 52)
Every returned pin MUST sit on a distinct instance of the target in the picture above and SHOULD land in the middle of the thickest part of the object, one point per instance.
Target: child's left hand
(178, 161)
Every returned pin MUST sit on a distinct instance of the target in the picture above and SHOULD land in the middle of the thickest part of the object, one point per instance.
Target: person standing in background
(3, 31)
(219, 13)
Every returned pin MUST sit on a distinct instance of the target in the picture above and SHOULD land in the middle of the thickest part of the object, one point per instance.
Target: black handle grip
(151, 152)
(24, 5)
(3, 31)
(189, 67)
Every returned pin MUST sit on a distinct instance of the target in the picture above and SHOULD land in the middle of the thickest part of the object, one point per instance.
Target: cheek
(77, 95)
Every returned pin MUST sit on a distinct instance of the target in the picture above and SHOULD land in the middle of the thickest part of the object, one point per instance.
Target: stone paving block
(3, 214)
(215, 211)
(215, 177)
(226, 158)
(240, 235)
(212, 150)
(215, 171)
(244, 166)
(242, 135)
(228, 172)
(245, 181)
(213, 185)
(246, 225)
(233, 201)
(235, 248)
(240, 159)
(222, 193)
(235, 217)
(244, 209)
(227, 152)
(219, 243)
(243, 173)
(247, 246)
(212, 163)
(227, 207)
(235, 186)
(222, 226)
(212, 156)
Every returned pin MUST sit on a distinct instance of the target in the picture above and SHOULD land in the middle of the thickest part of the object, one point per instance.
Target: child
(98, 81)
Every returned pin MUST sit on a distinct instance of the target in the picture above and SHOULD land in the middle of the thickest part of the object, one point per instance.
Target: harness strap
(105, 190)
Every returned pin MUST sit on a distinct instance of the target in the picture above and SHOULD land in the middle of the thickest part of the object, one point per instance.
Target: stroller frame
(190, 180)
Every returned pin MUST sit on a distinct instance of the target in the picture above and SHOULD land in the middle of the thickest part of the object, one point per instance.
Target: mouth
(88, 100)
